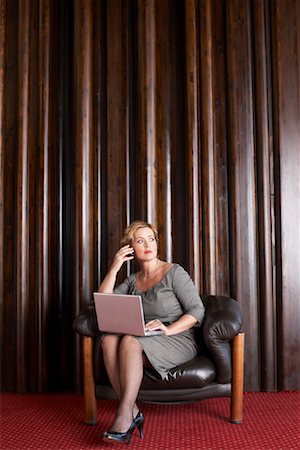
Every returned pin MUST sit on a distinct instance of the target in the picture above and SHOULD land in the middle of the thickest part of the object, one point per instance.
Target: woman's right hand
(124, 254)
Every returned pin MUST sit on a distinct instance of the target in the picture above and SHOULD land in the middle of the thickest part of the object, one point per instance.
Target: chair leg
(90, 402)
(236, 412)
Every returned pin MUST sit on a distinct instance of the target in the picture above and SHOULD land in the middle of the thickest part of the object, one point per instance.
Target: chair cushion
(196, 373)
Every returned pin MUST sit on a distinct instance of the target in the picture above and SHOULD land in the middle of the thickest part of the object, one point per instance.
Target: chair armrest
(223, 321)
(86, 322)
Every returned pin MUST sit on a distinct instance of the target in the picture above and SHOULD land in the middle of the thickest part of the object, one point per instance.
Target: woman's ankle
(135, 410)
(121, 423)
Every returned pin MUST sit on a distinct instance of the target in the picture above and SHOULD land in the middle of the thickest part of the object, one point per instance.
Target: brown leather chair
(218, 370)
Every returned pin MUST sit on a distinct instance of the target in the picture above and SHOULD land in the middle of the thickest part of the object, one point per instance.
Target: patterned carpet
(271, 421)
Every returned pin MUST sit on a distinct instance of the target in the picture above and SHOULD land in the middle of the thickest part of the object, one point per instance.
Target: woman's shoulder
(177, 270)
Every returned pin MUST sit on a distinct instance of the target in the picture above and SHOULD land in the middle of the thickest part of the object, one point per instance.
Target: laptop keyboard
(154, 333)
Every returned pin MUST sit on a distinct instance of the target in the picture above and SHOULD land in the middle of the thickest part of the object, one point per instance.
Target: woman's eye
(139, 241)
(151, 239)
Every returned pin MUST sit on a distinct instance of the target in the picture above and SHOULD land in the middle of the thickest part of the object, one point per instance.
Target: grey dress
(167, 301)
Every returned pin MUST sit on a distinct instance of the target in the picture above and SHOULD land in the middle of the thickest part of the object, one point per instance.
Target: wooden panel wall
(179, 112)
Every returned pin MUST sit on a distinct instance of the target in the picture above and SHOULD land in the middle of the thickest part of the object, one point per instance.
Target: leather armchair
(218, 370)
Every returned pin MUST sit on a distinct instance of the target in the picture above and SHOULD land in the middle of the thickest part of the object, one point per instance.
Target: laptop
(121, 314)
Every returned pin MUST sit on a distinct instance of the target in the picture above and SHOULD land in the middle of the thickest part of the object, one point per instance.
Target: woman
(171, 303)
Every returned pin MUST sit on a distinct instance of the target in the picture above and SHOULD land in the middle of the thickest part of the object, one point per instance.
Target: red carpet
(271, 421)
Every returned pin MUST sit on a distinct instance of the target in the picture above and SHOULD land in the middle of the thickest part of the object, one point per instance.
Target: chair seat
(194, 374)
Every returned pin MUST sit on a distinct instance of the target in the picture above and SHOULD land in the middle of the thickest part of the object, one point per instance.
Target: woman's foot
(122, 423)
(114, 437)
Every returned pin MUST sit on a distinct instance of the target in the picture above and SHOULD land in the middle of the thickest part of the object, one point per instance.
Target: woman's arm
(124, 254)
(187, 294)
(184, 323)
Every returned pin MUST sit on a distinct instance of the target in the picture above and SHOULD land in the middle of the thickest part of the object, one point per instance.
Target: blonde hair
(133, 227)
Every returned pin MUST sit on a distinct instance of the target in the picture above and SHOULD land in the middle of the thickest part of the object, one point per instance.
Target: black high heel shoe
(114, 437)
(139, 423)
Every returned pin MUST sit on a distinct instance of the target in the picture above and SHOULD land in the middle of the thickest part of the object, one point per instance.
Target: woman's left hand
(156, 324)
(184, 323)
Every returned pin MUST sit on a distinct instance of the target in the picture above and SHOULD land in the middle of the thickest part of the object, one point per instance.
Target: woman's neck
(150, 268)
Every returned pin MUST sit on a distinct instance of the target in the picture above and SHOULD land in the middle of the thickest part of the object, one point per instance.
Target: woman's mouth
(147, 251)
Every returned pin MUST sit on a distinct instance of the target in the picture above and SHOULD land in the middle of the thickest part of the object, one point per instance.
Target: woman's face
(144, 244)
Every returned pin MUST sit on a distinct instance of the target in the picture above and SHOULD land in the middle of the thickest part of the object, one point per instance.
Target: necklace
(144, 275)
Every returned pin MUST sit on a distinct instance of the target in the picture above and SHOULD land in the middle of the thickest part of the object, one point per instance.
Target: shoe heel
(128, 438)
(140, 427)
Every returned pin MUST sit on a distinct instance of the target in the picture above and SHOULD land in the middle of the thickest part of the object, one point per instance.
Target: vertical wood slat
(117, 110)
(242, 176)
(22, 217)
(99, 130)
(194, 193)
(83, 225)
(2, 97)
(10, 150)
(207, 149)
(265, 194)
(146, 111)
(286, 98)
(83, 152)
(163, 138)
(149, 118)
(178, 163)
(219, 91)
(2, 89)
(65, 169)
(44, 193)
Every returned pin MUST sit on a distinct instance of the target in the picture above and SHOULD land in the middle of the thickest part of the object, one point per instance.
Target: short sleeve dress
(168, 300)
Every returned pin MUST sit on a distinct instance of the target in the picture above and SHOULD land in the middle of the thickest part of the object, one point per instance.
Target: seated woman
(171, 303)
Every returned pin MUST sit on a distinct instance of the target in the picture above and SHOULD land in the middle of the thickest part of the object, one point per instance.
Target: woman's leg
(130, 378)
(110, 349)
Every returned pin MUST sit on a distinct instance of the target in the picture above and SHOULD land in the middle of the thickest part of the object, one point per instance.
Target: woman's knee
(109, 340)
(129, 341)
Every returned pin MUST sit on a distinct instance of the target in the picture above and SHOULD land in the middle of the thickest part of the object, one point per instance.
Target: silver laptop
(121, 314)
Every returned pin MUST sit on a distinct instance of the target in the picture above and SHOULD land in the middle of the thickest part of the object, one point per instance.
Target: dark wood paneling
(2, 141)
(45, 208)
(83, 189)
(83, 237)
(22, 199)
(220, 148)
(207, 148)
(100, 138)
(242, 178)
(3, 16)
(117, 207)
(9, 132)
(180, 112)
(63, 67)
(177, 110)
(265, 194)
(164, 105)
(286, 99)
(193, 142)
(146, 112)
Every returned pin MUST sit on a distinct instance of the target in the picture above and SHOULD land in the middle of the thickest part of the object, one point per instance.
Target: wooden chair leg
(90, 402)
(236, 413)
